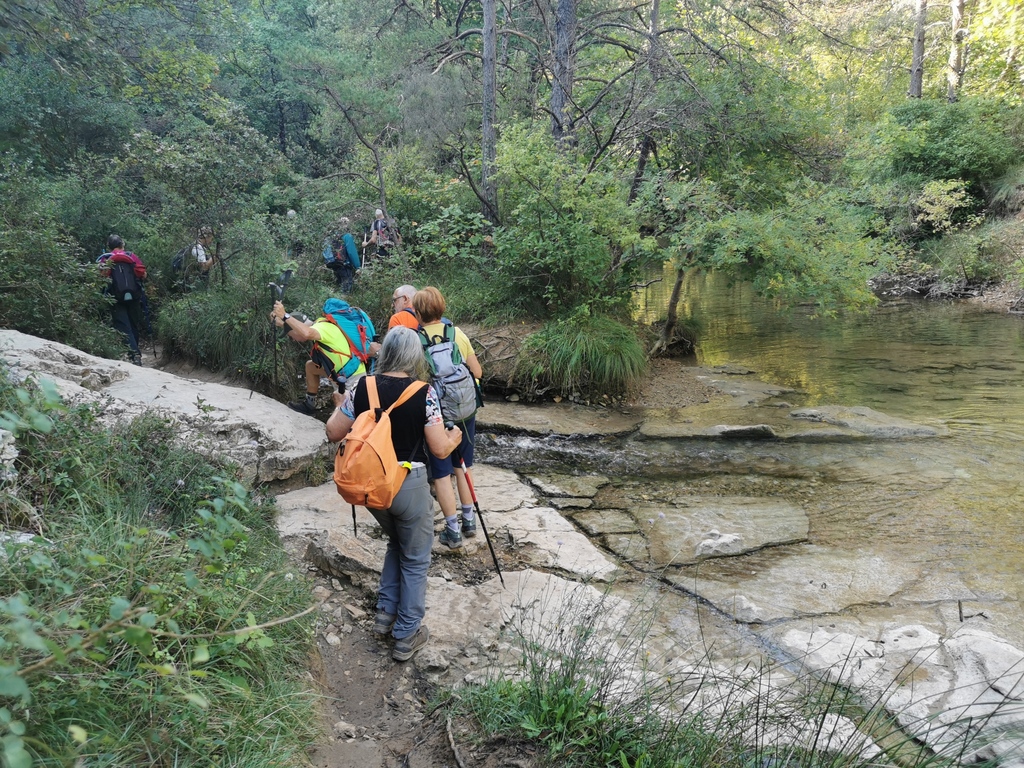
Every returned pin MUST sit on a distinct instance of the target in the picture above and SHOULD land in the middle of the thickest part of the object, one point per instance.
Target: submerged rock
(867, 421)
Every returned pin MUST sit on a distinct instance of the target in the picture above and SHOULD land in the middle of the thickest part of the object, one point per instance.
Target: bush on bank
(139, 625)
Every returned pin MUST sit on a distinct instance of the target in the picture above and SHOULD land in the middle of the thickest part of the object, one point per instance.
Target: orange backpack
(366, 469)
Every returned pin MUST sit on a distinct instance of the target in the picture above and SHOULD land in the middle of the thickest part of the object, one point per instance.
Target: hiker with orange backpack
(342, 346)
(398, 400)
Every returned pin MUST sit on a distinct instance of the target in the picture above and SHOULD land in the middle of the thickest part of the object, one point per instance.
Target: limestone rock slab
(957, 692)
(813, 581)
(499, 490)
(582, 486)
(553, 542)
(558, 419)
(677, 533)
(265, 438)
(867, 421)
(596, 522)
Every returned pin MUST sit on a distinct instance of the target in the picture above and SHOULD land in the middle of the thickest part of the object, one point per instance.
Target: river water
(941, 519)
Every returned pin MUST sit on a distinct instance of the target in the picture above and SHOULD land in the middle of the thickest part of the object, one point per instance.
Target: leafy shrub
(50, 287)
(582, 357)
(816, 244)
(130, 635)
(567, 236)
(976, 140)
(987, 253)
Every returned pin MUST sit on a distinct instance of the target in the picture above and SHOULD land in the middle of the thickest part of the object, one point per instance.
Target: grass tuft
(582, 357)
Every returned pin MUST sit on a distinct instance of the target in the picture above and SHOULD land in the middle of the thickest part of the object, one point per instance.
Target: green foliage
(990, 252)
(129, 632)
(976, 140)
(49, 287)
(815, 244)
(567, 235)
(583, 356)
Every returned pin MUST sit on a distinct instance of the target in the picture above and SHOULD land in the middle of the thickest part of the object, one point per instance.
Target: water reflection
(909, 358)
(948, 508)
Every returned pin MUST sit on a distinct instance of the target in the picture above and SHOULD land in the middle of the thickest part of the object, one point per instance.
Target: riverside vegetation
(774, 144)
(538, 162)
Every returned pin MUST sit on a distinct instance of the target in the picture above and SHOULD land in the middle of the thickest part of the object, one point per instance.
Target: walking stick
(277, 294)
(354, 531)
(479, 514)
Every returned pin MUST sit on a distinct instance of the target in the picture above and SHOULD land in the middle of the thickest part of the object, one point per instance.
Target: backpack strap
(374, 398)
(408, 392)
(354, 351)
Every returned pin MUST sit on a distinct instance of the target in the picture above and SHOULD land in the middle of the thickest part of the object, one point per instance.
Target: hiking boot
(469, 528)
(383, 622)
(451, 539)
(407, 646)
(302, 407)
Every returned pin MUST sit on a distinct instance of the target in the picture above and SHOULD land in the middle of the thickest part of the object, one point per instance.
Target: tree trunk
(917, 61)
(489, 151)
(647, 145)
(955, 71)
(661, 346)
(564, 70)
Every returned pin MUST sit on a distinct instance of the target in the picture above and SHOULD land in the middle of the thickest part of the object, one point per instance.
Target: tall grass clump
(582, 682)
(147, 614)
(582, 357)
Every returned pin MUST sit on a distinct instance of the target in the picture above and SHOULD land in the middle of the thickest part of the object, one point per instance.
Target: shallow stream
(938, 521)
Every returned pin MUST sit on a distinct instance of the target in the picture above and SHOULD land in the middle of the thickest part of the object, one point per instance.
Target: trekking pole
(476, 504)
(277, 294)
(354, 531)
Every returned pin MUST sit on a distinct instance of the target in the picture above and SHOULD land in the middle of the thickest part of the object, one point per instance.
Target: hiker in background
(126, 272)
(341, 257)
(382, 235)
(202, 252)
(339, 355)
(454, 371)
(409, 521)
(402, 312)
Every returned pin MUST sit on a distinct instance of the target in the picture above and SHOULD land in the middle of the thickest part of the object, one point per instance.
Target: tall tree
(564, 70)
(955, 68)
(917, 59)
(490, 87)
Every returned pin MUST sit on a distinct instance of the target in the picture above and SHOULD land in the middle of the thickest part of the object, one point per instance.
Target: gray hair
(406, 290)
(402, 351)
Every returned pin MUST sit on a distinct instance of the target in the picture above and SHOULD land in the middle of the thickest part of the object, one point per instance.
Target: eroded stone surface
(265, 438)
(959, 692)
(600, 521)
(867, 421)
(810, 581)
(583, 486)
(677, 531)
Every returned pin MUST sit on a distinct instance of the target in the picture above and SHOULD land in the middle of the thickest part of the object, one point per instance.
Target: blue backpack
(332, 246)
(358, 330)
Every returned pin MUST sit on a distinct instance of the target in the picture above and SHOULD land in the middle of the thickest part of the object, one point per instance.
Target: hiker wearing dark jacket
(409, 521)
(126, 313)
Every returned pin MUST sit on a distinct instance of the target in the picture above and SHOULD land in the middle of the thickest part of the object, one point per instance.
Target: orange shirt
(408, 319)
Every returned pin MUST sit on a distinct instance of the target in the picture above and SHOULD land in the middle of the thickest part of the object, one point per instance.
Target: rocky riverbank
(572, 540)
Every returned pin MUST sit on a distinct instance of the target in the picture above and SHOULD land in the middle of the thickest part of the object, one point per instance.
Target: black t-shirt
(407, 420)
